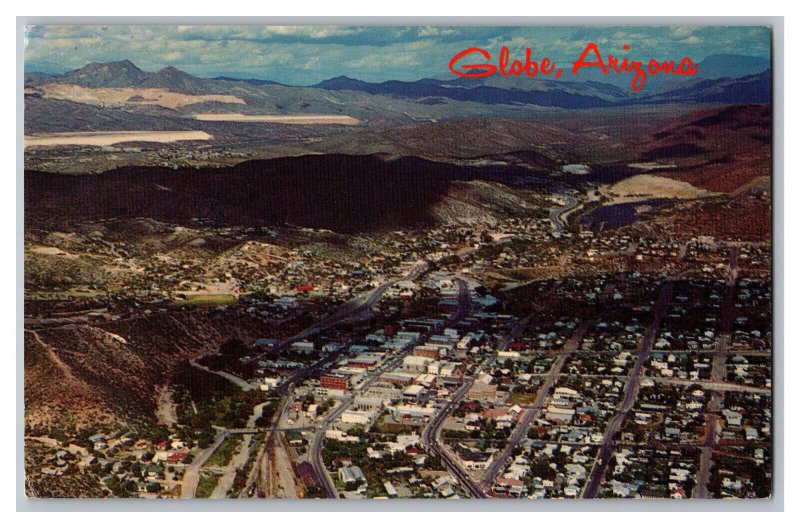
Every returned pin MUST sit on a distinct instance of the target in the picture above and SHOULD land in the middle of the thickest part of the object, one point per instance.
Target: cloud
(309, 54)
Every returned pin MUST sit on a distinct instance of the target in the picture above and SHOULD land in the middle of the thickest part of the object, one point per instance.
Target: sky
(304, 55)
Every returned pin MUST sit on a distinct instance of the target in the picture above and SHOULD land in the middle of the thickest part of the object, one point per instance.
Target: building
(426, 351)
(475, 461)
(482, 391)
(383, 391)
(413, 411)
(413, 392)
(303, 347)
(416, 363)
(357, 417)
(306, 472)
(329, 381)
(510, 486)
(559, 415)
(351, 474)
(450, 373)
(269, 384)
(367, 360)
(287, 303)
(397, 378)
(390, 489)
(265, 343)
(368, 403)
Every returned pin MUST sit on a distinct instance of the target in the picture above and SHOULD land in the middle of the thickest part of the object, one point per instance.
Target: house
(445, 486)
(510, 486)
(732, 418)
(559, 415)
(177, 458)
(390, 489)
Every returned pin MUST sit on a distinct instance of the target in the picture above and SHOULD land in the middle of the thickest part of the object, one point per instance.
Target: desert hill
(337, 192)
(719, 149)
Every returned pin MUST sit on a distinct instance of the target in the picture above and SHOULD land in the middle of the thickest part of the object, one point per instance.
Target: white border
(378, 9)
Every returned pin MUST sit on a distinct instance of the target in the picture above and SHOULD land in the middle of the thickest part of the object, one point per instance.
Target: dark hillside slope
(337, 192)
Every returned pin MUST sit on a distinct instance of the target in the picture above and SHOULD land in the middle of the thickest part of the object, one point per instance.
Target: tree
(233, 348)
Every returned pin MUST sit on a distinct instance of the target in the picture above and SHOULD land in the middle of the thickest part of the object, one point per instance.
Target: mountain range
(748, 81)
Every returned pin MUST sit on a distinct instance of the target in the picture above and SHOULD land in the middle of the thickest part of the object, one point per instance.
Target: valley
(244, 289)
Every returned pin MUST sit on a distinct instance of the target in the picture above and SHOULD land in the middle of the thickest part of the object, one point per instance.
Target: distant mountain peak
(341, 82)
(172, 70)
(106, 74)
(125, 63)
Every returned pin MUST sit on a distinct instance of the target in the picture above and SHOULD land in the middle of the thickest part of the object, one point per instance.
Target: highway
(559, 224)
(629, 398)
(315, 450)
(430, 439)
(353, 309)
(534, 411)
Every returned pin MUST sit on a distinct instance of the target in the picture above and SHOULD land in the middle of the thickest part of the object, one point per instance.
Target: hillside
(337, 192)
(78, 375)
(718, 150)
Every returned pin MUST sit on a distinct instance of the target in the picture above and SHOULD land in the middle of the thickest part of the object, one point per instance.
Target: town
(456, 363)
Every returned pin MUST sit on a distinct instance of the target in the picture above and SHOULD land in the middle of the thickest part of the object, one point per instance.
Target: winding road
(559, 223)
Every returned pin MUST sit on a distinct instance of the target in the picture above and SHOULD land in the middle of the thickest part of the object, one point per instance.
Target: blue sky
(303, 55)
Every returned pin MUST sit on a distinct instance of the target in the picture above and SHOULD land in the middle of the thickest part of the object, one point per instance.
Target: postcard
(414, 262)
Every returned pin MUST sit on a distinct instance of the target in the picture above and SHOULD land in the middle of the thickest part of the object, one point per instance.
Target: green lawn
(208, 481)
(223, 455)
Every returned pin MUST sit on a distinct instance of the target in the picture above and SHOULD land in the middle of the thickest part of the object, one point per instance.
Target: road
(355, 308)
(315, 450)
(430, 439)
(514, 333)
(464, 302)
(700, 490)
(559, 224)
(534, 411)
(191, 475)
(239, 382)
(629, 397)
(352, 310)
